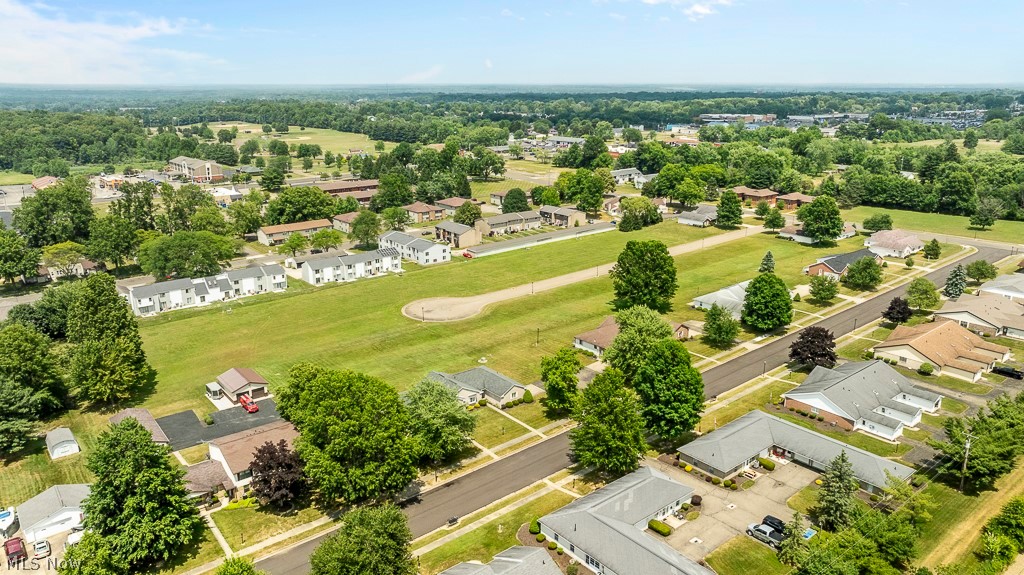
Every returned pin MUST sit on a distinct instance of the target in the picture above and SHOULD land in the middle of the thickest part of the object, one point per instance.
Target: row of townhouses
(197, 292)
(351, 267)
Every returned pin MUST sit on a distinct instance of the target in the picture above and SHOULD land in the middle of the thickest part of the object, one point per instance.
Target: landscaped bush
(560, 551)
(541, 537)
(552, 545)
(686, 506)
(792, 408)
(659, 527)
(692, 516)
(926, 369)
(727, 483)
(688, 468)
(572, 569)
(208, 419)
(716, 481)
(471, 407)
(821, 418)
(534, 527)
(707, 478)
(874, 498)
(868, 354)
(482, 402)
(734, 487)
(909, 262)
(696, 500)
(528, 396)
(767, 464)
(917, 481)
(507, 405)
(885, 264)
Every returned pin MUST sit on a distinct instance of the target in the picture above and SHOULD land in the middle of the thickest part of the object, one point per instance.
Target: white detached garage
(56, 510)
(61, 442)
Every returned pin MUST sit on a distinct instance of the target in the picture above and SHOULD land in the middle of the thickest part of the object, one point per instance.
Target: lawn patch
(245, 526)
(937, 224)
(804, 500)
(493, 428)
(195, 454)
(741, 555)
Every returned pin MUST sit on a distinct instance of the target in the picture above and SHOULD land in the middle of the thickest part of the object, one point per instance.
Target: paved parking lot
(725, 514)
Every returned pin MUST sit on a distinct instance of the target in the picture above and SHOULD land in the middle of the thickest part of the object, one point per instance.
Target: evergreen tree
(730, 210)
(720, 328)
(609, 433)
(767, 305)
(956, 283)
(767, 264)
(836, 502)
(793, 548)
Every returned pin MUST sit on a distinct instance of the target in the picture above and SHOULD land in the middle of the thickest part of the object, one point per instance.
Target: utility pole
(967, 453)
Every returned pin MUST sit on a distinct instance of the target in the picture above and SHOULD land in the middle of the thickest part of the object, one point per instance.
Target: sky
(660, 42)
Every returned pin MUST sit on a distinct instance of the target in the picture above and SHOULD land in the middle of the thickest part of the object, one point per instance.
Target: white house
(1009, 286)
(894, 243)
(479, 383)
(56, 510)
(626, 176)
(702, 216)
(196, 292)
(730, 298)
(424, 252)
(796, 234)
(351, 267)
(61, 442)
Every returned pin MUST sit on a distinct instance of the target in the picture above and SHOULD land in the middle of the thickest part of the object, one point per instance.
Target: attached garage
(56, 510)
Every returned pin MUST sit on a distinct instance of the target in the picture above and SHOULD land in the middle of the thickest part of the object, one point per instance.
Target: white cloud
(506, 13)
(42, 45)
(488, 64)
(693, 9)
(616, 16)
(423, 75)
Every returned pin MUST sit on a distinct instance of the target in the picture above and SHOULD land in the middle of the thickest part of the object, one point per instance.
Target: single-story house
(44, 182)
(518, 560)
(796, 233)
(508, 223)
(60, 442)
(235, 451)
(276, 235)
(702, 216)
(351, 267)
(597, 340)
(450, 205)
(419, 250)
(794, 200)
(205, 479)
(950, 349)
(868, 396)
(562, 217)
(479, 383)
(56, 510)
(894, 243)
(987, 314)
(420, 212)
(498, 198)
(835, 266)
(457, 235)
(146, 419)
(1009, 286)
(82, 268)
(565, 141)
(730, 298)
(343, 222)
(361, 190)
(737, 445)
(236, 382)
(605, 529)
(754, 196)
(626, 175)
(226, 196)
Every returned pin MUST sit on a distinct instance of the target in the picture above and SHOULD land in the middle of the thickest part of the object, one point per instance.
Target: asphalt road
(730, 374)
(456, 498)
(480, 488)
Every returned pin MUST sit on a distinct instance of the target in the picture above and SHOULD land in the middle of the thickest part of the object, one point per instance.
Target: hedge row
(659, 527)
(767, 464)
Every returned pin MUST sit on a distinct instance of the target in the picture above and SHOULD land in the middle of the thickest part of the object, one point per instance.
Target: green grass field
(861, 440)
(245, 526)
(934, 225)
(493, 428)
(8, 178)
(983, 145)
(482, 190)
(485, 541)
(804, 500)
(329, 140)
(742, 555)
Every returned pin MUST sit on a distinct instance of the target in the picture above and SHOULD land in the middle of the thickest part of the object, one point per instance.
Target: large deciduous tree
(821, 219)
(922, 294)
(56, 214)
(365, 228)
(774, 220)
(639, 329)
(112, 239)
(293, 244)
(136, 204)
(730, 210)
(559, 373)
(824, 288)
(720, 328)
(609, 433)
(278, 479)
(138, 501)
(441, 425)
(816, 346)
(671, 390)
(981, 270)
(644, 274)
(863, 274)
(767, 305)
(17, 259)
(186, 254)
(878, 222)
(515, 201)
(327, 239)
(467, 214)
(354, 433)
(300, 204)
(62, 257)
(179, 206)
(371, 540)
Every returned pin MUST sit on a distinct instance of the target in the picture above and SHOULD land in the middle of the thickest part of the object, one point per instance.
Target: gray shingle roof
(453, 227)
(839, 263)
(57, 436)
(736, 442)
(51, 502)
(730, 298)
(859, 387)
(156, 289)
(145, 418)
(1011, 282)
(700, 213)
(502, 219)
(512, 561)
(478, 379)
(609, 525)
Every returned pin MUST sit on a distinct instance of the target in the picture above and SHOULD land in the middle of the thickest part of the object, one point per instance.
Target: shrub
(507, 405)
(528, 396)
(560, 551)
(688, 468)
(821, 418)
(482, 402)
(696, 500)
(534, 527)
(727, 483)
(796, 297)
(572, 569)
(208, 419)
(692, 516)
(909, 262)
(868, 354)
(541, 537)
(917, 481)
(707, 478)
(874, 498)
(926, 369)
(686, 506)
(792, 408)
(734, 487)
(767, 464)
(885, 264)
(518, 401)
(716, 481)
(552, 545)
(659, 527)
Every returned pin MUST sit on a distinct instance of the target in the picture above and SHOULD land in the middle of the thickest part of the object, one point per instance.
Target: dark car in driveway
(1008, 372)
(775, 523)
(15, 551)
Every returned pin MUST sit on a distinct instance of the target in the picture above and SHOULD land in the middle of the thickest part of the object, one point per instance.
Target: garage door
(60, 524)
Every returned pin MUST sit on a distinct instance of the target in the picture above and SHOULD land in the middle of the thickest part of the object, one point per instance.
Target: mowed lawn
(482, 190)
(328, 140)
(938, 224)
(742, 555)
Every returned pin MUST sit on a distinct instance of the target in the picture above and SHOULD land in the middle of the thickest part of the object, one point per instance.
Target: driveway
(185, 429)
(725, 514)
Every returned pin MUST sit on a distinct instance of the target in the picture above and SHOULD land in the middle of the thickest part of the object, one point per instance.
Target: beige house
(894, 243)
(276, 235)
(343, 222)
(987, 314)
(420, 212)
(599, 339)
(949, 348)
(457, 235)
(196, 170)
(450, 205)
(235, 452)
(236, 382)
(508, 223)
(562, 217)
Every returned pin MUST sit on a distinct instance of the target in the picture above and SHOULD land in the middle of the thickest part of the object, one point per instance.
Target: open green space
(937, 224)
(482, 543)
(493, 428)
(983, 145)
(8, 178)
(243, 525)
(535, 167)
(532, 414)
(949, 382)
(198, 554)
(195, 454)
(742, 555)
(804, 500)
(744, 404)
(482, 190)
(861, 440)
(329, 140)
(477, 515)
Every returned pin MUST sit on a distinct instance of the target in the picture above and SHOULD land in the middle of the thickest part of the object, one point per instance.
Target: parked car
(426, 232)
(41, 549)
(1008, 372)
(74, 538)
(764, 534)
(15, 550)
(775, 523)
(248, 404)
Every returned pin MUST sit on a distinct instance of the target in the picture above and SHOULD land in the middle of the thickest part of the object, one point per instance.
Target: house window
(903, 360)
(572, 548)
(556, 536)
(593, 562)
(814, 410)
